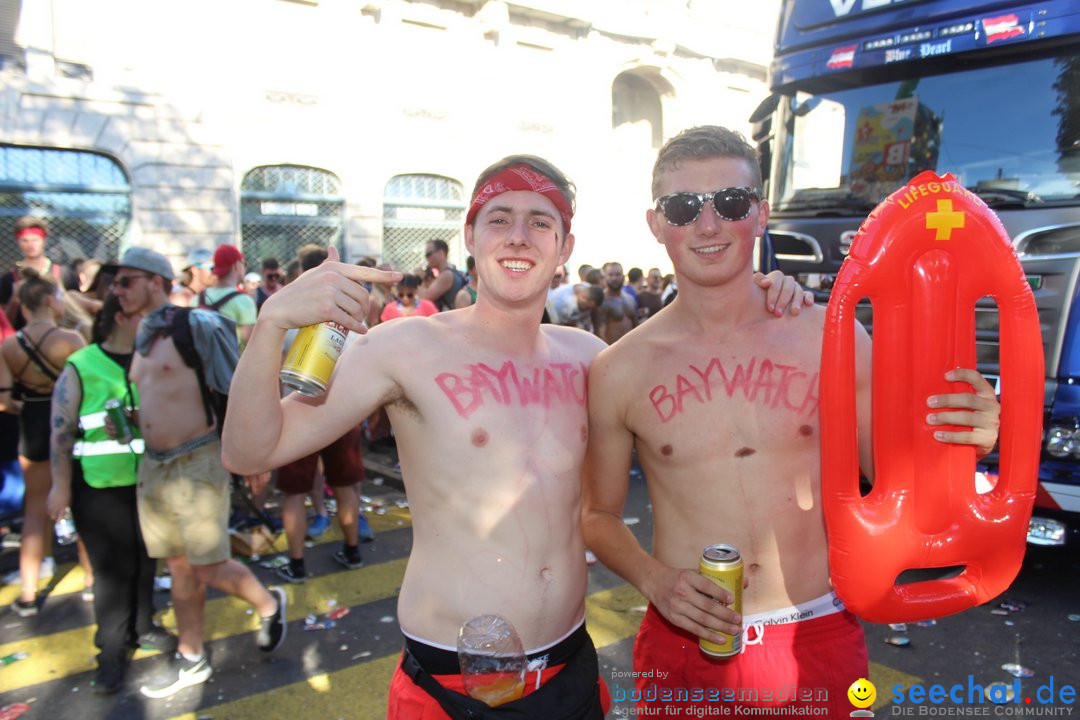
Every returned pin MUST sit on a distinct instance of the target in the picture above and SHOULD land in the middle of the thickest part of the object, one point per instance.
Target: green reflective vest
(105, 463)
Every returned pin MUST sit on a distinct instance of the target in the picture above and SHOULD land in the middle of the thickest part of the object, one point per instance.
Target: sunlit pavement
(342, 668)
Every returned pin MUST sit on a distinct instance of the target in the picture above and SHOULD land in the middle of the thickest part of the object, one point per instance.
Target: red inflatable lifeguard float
(924, 257)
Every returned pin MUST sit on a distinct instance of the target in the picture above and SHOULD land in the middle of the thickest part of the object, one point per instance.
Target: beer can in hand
(724, 566)
(312, 357)
(114, 408)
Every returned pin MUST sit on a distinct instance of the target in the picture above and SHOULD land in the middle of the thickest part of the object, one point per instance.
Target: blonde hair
(704, 143)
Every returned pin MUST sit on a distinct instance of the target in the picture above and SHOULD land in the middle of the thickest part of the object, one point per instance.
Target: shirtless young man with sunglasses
(720, 402)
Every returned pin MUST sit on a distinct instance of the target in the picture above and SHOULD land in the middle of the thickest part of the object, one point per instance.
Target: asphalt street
(341, 668)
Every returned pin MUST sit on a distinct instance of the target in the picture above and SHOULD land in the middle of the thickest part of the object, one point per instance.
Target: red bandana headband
(520, 177)
(30, 231)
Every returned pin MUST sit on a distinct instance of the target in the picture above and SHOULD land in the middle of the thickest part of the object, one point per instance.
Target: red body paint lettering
(757, 380)
(547, 385)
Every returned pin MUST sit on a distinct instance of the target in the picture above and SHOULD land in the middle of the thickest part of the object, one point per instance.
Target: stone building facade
(273, 122)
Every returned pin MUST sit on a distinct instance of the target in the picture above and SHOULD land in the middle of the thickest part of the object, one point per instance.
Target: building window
(285, 206)
(417, 208)
(636, 106)
(84, 197)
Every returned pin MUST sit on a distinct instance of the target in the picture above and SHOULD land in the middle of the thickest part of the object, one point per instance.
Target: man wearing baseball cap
(224, 296)
(194, 276)
(145, 259)
(183, 460)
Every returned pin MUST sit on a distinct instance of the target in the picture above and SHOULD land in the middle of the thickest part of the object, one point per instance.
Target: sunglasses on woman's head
(731, 203)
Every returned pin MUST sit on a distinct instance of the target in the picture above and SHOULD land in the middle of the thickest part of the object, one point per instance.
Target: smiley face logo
(862, 693)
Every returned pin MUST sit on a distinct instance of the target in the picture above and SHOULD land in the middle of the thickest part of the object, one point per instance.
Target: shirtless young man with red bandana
(491, 432)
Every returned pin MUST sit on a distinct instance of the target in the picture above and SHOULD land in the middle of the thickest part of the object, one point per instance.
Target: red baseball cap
(225, 257)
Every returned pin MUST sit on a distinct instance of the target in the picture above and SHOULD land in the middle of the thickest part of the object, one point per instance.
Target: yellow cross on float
(945, 220)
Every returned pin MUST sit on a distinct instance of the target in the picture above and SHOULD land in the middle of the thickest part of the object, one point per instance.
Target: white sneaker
(181, 673)
(48, 569)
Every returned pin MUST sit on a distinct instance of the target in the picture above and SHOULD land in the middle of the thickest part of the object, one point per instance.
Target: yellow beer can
(724, 566)
(312, 357)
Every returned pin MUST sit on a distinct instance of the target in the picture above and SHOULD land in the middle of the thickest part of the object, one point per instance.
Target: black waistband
(437, 661)
(28, 394)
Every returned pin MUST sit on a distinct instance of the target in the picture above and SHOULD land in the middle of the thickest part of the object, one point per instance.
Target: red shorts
(810, 663)
(342, 463)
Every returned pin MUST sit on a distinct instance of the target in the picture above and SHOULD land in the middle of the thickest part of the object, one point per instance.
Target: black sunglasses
(126, 281)
(683, 208)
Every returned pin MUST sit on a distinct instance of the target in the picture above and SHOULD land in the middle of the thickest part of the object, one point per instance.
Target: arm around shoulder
(607, 471)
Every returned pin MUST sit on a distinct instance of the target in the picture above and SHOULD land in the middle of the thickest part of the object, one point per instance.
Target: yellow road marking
(69, 577)
(359, 688)
(70, 652)
(610, 616)
(884, 677)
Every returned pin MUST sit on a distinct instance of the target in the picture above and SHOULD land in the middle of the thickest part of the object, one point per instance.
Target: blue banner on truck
(822, 37)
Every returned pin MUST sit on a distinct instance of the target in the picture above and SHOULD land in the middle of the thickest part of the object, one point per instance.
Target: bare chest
(161, 368)
(508, 388)
(498, 407)
(721, 405)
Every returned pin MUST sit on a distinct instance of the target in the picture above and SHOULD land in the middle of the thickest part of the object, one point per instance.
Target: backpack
(216, 306)
(446, 301)
(214, 402)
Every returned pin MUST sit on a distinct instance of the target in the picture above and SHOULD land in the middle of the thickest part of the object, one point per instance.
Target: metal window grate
(84, 197)
(417, 208)
(283, 207)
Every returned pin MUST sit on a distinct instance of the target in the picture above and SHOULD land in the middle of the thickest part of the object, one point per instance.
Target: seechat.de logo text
(1052, 698)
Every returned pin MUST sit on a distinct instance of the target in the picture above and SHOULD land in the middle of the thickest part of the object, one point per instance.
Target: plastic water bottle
(65, 529)
(13, 658)
(493, 662)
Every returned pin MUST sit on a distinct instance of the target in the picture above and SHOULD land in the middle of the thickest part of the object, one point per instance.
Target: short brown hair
(310, 256)
(704, 143)
(29, 221)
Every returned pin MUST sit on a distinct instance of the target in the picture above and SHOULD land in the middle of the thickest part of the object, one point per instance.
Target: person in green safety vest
(96, 477)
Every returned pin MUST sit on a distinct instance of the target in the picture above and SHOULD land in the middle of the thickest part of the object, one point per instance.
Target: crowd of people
(548, 386)
(70, 336)
(124, 332)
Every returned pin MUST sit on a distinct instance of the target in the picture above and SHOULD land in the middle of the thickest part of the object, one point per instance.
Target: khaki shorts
(184, 506)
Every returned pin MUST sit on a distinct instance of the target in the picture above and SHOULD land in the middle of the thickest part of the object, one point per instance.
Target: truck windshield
(1010, 133)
